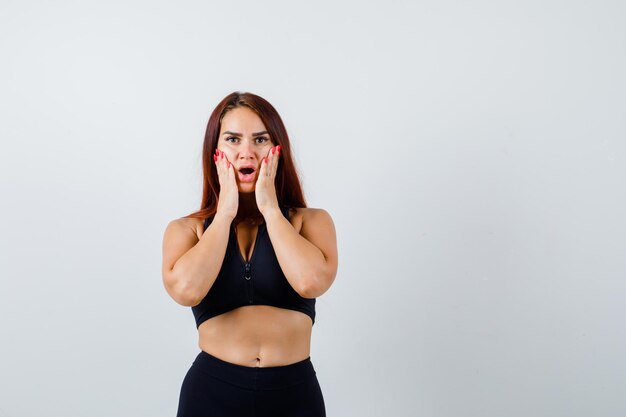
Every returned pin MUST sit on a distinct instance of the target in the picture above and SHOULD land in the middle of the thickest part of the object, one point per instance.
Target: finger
(227, 163)
(275, 159)
(222, 165)
(217, 157)
(270, 162)
(263, 170)
(273, 162)
(229, 168)
(223, 160)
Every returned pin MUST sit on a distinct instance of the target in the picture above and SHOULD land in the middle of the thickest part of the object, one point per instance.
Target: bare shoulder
(303, 211)
(314, 214)
(180, 235)
(317, 225)
(299, 215)
(186, 226)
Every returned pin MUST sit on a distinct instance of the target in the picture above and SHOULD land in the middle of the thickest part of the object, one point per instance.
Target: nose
(246, 150)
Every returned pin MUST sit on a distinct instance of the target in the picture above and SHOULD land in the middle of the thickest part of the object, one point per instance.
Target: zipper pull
(249, 288)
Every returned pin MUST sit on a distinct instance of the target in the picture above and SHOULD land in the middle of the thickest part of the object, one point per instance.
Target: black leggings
(215, 388)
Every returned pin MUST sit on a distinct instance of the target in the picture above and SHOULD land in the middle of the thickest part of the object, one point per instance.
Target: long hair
(288, 188)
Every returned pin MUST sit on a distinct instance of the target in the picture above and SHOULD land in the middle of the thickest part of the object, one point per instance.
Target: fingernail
(215, 158)
(273, 150)
(278, 148)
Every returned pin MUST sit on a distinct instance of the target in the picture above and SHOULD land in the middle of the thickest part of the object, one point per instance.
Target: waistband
(254, 378)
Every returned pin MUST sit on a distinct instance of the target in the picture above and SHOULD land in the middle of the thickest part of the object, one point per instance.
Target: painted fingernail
(215, 158)
(216, 151)
(278, 148)
(273, 150)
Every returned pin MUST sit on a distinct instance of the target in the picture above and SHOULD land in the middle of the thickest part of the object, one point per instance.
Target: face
(245, 142)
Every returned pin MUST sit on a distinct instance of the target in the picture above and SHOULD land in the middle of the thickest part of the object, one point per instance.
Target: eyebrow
(228, 132)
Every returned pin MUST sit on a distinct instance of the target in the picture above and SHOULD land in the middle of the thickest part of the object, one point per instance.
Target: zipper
(249, 288)
(247, 275)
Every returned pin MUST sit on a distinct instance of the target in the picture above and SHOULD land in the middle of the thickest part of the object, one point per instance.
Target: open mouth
(246, 174)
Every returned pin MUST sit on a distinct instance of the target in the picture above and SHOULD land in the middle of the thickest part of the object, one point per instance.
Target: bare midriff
(257, 335)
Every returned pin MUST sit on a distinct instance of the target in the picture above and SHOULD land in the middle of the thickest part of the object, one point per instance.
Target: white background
(471, 153)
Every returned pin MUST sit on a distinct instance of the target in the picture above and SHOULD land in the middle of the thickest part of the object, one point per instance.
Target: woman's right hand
(228, 202)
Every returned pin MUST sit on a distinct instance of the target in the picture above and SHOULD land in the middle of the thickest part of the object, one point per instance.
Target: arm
(309, 259)
(190, 266)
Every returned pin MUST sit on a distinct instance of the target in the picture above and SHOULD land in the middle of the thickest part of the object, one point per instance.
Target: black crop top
(259, 281)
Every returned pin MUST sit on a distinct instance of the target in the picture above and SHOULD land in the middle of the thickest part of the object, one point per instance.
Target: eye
(229, 138)
(263, 139)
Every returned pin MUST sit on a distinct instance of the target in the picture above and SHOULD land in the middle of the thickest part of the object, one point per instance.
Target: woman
(250, 264)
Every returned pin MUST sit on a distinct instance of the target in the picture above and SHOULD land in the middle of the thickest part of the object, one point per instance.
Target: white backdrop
(471, 153)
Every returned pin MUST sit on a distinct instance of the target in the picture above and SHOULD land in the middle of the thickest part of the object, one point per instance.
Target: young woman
(250, 264)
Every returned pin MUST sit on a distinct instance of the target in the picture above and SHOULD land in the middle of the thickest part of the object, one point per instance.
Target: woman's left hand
(265, 189)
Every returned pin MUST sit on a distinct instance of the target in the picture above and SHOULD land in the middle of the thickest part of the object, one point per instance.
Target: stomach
(257, 335)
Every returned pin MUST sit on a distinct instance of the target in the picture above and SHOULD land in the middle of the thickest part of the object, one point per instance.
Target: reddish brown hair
(288, 188)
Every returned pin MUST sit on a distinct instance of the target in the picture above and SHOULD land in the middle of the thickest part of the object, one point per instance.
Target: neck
(248, 209)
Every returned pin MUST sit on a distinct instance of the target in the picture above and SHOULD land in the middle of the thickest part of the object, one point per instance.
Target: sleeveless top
(260, 281)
